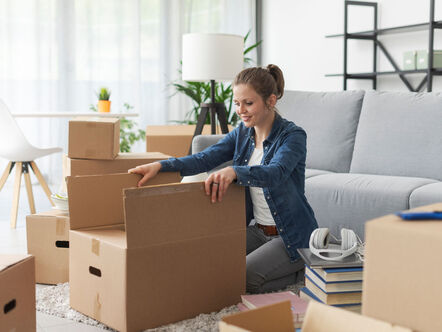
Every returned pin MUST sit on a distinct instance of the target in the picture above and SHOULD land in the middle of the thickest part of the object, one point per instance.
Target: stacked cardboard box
(144, 257)
(17, 293)
(402, 271)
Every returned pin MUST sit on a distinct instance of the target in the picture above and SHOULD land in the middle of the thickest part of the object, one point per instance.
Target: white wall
(294, 39)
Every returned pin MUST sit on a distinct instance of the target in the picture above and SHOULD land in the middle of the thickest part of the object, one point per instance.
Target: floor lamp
(212, 57)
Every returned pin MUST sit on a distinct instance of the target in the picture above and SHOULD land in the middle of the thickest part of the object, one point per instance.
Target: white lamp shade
(210, 56)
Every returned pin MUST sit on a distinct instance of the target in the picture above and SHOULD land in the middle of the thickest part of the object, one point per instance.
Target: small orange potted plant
(104, 103)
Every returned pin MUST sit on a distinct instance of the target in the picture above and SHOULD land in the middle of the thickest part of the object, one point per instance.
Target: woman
(268, 155)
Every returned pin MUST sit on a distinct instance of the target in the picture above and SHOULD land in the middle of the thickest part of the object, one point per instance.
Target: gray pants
(268, 263)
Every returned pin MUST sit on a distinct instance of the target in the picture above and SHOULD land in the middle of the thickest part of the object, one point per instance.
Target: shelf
(436, 71)
(386, 31)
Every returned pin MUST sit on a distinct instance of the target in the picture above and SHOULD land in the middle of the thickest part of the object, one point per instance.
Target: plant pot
(104, 106)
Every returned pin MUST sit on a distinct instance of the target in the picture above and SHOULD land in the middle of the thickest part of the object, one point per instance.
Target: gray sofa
(368, 153)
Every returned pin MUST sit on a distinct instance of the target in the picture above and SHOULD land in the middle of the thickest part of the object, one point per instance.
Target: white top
(72, 115)
(261, 209)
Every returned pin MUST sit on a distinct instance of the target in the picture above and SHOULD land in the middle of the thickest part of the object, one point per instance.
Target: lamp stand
(216, 109)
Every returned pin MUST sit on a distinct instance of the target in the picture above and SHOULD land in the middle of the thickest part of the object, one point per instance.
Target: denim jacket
(281, 175)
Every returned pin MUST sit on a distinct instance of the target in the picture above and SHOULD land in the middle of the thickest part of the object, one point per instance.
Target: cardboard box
(17, 293)
(275, 317)
(324, 318)
(144, 257)
(173, 140)
(94, 138)
(48, 240)
(402, 271)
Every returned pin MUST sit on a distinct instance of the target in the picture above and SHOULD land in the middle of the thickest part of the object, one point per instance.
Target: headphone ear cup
(348, 239)
(321, 238)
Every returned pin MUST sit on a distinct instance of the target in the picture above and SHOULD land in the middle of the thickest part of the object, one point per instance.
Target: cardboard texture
(17, 293)
(48, 240)
(121, 163)
(94, 138)
(402, 271)
(173, 140)
(275, 317)
(158, 261)
(324, 318)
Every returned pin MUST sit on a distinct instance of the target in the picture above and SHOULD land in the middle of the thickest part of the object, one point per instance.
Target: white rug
(54, 300)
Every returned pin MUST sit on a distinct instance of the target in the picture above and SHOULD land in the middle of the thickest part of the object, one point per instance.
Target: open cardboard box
(17, 293)
(274, 317)
(324, 318)
(144, 257)
(48, 240)
(402, 271)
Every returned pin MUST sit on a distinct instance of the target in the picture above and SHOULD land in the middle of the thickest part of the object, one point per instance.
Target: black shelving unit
(372, 35)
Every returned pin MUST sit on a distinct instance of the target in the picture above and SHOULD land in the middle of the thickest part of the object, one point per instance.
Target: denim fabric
(281, 175)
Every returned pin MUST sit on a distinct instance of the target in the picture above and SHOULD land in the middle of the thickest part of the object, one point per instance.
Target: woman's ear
(271, 101)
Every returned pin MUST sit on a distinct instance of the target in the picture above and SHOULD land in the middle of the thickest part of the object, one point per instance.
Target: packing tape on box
(60, 227)
(95, 248)
(97, 307)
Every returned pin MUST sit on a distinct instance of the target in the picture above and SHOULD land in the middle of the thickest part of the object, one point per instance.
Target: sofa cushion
(399, 133)
(309, 172)
(425, 195)
(330, 120)
(349, 200)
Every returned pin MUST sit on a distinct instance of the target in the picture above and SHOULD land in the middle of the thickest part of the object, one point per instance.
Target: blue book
(333, 286)
(340, 274)
(306, 294)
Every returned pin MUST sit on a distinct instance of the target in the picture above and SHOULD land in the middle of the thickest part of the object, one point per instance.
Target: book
(333, 286)
(333, 297)
(305, 294)
(315, 262)
(298, 305)
(339, 274)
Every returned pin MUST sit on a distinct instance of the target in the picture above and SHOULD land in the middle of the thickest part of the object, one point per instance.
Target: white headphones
(320, 238)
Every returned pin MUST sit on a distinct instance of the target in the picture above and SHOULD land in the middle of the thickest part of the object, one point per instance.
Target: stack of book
(298, 305)
(336, 283)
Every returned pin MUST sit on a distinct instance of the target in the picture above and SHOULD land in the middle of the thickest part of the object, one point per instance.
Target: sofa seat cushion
(349, 200)
(330, 120)
(425, 195)
(400, 134)
(309, 172)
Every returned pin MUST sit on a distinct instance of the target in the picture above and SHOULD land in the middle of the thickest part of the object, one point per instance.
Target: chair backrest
(11, 136)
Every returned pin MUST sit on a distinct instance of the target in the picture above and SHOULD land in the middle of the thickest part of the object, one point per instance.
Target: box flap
(142, 155)
(275, 317)
(177, 212)
(323, 318)
(7, 261)
(96, 200)
(95, 119)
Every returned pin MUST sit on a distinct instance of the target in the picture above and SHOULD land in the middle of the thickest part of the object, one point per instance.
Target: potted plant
(104, 103)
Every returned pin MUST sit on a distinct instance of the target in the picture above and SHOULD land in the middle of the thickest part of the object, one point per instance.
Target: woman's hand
(148, 171)
(218, 182)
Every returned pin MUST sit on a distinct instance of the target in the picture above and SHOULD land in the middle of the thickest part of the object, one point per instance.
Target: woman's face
(250, 107)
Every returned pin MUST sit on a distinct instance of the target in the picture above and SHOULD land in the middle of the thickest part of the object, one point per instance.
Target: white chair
(15, 147)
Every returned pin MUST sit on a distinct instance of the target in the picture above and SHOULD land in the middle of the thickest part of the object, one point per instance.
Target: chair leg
(16, 195)
(6, 174)
(29, 187)
(42, 181)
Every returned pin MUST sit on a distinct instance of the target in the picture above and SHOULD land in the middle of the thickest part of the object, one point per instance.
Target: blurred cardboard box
(324, 318)
(94, 138)
(145, 257)
(173, 140)
(402, 271)
(48, 240)
(17, 293)
(275, 317)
